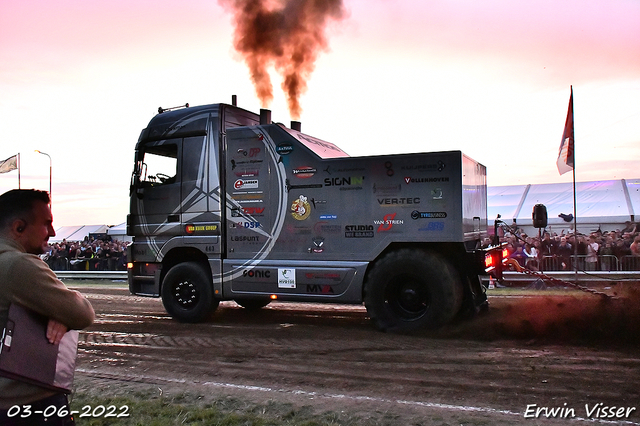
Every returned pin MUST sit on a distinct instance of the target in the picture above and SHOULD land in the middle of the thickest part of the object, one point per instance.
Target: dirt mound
(571, 318)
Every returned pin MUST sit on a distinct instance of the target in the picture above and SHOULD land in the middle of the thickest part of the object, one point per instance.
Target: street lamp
(50, 170)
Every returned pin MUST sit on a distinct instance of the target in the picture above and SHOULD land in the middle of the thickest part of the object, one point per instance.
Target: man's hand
(55, 331)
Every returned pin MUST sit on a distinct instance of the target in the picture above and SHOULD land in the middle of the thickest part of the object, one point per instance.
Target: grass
(149, 405)
(148, 408)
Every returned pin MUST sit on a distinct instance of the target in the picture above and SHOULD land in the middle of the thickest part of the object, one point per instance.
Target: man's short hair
(18, 204)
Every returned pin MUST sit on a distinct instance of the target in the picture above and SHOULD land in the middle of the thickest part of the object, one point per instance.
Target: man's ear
(19, 225)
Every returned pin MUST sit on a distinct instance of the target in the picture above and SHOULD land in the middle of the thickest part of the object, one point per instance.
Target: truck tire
(408, 289)
(252, 304)
(187, 293)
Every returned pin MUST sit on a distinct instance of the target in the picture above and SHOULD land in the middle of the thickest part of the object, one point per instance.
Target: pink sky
(79, 80)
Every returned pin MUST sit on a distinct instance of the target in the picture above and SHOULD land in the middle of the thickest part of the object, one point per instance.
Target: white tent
(604, 205)
(77, 233)
(119, 232)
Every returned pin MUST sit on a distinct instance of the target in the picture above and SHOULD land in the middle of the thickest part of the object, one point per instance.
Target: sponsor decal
(358, 231)
(245, 184)
(192, 229)
(284, 148)
(298, 230)
(318, 245)
(290, 187)
(389, 167)
(244, 238)
(256, 273)
(319, 204)
(329, 170)
(246, 225)
(324, 276)
(252, 152)
(427, 215)
(436, 194)
(326, 228)
(244, 163)
(387, 189)
(249, 195)
(319, 289)
(439, 166)
(345, 183)
(247, 173)
(252, 200)
(304, 172)
(300, 209)
(398, 201)
(253, 211)
(328, 216)
(387, 222)
(286, 278)
(409, 179)
(433, 227)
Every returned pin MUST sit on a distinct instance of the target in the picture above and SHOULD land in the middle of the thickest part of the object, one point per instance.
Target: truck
(226, 204)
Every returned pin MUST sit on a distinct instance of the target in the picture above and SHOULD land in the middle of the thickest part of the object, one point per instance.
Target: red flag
(565, 155)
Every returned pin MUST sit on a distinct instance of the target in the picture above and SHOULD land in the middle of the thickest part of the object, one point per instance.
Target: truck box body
(271, 212)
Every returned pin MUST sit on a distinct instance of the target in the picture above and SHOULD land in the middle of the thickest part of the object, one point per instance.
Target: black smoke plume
(286, 34)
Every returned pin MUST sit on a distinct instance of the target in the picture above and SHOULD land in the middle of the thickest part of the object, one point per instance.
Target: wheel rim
(186, 294)
(408, 297)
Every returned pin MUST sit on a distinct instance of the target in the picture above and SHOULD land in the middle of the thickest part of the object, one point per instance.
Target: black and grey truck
(226, 205)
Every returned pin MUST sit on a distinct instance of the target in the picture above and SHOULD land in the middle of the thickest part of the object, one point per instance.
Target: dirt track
(546, 351)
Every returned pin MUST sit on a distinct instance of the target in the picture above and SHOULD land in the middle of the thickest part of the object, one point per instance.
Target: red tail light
(493, 261)
(489, 261)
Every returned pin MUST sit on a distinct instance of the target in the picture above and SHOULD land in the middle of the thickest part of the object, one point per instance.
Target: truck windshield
(158, 165)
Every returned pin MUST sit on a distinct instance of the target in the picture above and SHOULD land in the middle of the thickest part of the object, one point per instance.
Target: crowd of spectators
(87, 255)
(604, 251)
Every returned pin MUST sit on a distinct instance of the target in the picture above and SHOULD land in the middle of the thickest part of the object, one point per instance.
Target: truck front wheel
(187, 293)
(410, 289)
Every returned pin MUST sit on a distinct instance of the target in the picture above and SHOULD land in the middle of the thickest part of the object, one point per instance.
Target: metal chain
(563, 282)
(539, 274)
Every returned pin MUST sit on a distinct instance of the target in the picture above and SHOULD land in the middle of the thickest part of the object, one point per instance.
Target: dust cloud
(286, 34)
(557, 318)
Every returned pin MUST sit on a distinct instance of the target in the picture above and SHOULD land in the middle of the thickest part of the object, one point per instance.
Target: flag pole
(575, 204)
(575, 219)
(19, 171)
(566, 162)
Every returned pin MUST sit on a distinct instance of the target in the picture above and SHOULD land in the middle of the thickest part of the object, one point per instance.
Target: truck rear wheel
(187, 293)
(410, 289)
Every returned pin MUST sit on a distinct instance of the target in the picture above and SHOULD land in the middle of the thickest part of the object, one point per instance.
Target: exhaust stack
(296, 125)
(265, 116)
(234, 100)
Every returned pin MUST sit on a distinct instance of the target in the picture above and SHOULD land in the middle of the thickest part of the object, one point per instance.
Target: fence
(92, 264)
(603, 263)
(93, 275)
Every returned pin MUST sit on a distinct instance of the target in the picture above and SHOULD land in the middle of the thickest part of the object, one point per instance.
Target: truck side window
(160, 165)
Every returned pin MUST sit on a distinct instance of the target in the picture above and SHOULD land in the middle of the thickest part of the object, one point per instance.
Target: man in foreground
(25, 229)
